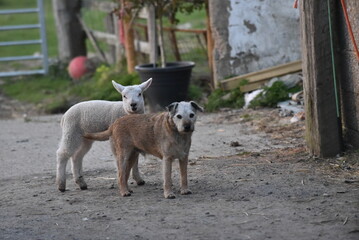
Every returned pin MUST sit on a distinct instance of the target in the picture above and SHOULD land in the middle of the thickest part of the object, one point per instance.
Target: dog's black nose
(187, 127)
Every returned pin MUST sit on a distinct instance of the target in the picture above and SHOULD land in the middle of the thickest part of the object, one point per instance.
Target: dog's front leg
(167, 179)
(183, 163)
(123, 173)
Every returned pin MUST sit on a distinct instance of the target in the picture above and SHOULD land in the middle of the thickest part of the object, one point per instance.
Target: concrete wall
(348, 72)
(250, 35)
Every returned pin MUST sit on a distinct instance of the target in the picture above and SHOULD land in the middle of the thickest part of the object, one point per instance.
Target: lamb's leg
(62, 158)
(167, 178)
(183, 163)
(69, 144)
(136, 173)
(77, 159)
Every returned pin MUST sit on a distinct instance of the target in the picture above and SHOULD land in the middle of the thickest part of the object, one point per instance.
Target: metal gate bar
(44, 56)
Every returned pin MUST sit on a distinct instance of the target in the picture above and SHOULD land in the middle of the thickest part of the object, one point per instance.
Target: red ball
(77, 67)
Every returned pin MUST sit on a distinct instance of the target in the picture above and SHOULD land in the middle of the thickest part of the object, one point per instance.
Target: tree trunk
(71, 37)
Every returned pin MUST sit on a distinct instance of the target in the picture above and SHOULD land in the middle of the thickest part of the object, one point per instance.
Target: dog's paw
(186, 192)
(170, 196)
(125, 194)
(140, 182)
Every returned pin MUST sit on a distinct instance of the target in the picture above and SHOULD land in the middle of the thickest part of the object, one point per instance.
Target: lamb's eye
(179, 116)
(125, 97)
(191, 115)
(139, 94)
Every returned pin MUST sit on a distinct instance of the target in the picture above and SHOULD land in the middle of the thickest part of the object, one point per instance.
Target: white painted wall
(259, 34)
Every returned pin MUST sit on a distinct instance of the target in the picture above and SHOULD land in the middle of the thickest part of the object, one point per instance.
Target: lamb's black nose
(133, 106)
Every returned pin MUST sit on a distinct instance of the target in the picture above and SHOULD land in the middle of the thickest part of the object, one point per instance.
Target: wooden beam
(258, 79)
(323, 128)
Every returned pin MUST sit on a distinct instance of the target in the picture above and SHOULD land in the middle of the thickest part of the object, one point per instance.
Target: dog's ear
(172, 108)
(118, 86)
(196, 106)
(146, 84)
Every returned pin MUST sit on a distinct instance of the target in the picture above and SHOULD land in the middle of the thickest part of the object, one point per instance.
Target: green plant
(219, 99)
(272, 95)
(56, 92)
(194, 92)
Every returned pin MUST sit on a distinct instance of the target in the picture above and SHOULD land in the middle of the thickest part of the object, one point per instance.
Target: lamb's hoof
(141, 182)
(186, 192)
(61, 187)
(170, 196)
(81, 182)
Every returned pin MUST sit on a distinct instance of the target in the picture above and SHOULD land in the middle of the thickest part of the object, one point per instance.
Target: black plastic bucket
(169, 84)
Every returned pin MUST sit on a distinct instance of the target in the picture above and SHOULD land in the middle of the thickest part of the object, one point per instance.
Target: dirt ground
(249, 171)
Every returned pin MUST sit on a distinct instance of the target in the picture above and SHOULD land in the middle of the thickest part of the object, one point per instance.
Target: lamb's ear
(172, 108)
(146, 84)
(118, 86)
(196, 106)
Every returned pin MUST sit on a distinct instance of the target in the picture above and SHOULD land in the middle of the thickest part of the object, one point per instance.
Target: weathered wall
(348, 71)
(250, 35)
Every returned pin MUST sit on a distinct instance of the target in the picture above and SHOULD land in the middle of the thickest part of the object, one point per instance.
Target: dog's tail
(99, 136)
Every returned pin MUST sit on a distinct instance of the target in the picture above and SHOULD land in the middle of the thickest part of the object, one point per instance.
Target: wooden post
(152, 34)
(323, 131)
(70, 35)
(210, 45)
(110, 28)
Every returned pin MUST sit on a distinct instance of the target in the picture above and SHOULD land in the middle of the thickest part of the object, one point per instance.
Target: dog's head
(132, 96)
(184, 115)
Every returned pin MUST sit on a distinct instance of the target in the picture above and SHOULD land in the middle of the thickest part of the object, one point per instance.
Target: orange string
(350, 28)
(295, 4)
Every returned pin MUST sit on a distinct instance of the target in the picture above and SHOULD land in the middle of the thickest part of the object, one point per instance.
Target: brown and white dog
(165, 135)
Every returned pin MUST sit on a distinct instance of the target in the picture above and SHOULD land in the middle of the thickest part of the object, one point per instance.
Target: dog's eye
(125, 97)
(179, 116)
(191, 115)
(139, 94)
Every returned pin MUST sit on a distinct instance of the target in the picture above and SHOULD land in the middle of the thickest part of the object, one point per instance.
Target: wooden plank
(323, 128)
(143, 47)
(258, 79)
(106, 37)
(103, 6)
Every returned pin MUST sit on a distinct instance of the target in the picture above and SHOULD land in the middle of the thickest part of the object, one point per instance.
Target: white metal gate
(40, 25)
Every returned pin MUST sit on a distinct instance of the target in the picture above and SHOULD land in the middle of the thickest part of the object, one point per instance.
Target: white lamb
(89, 117)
